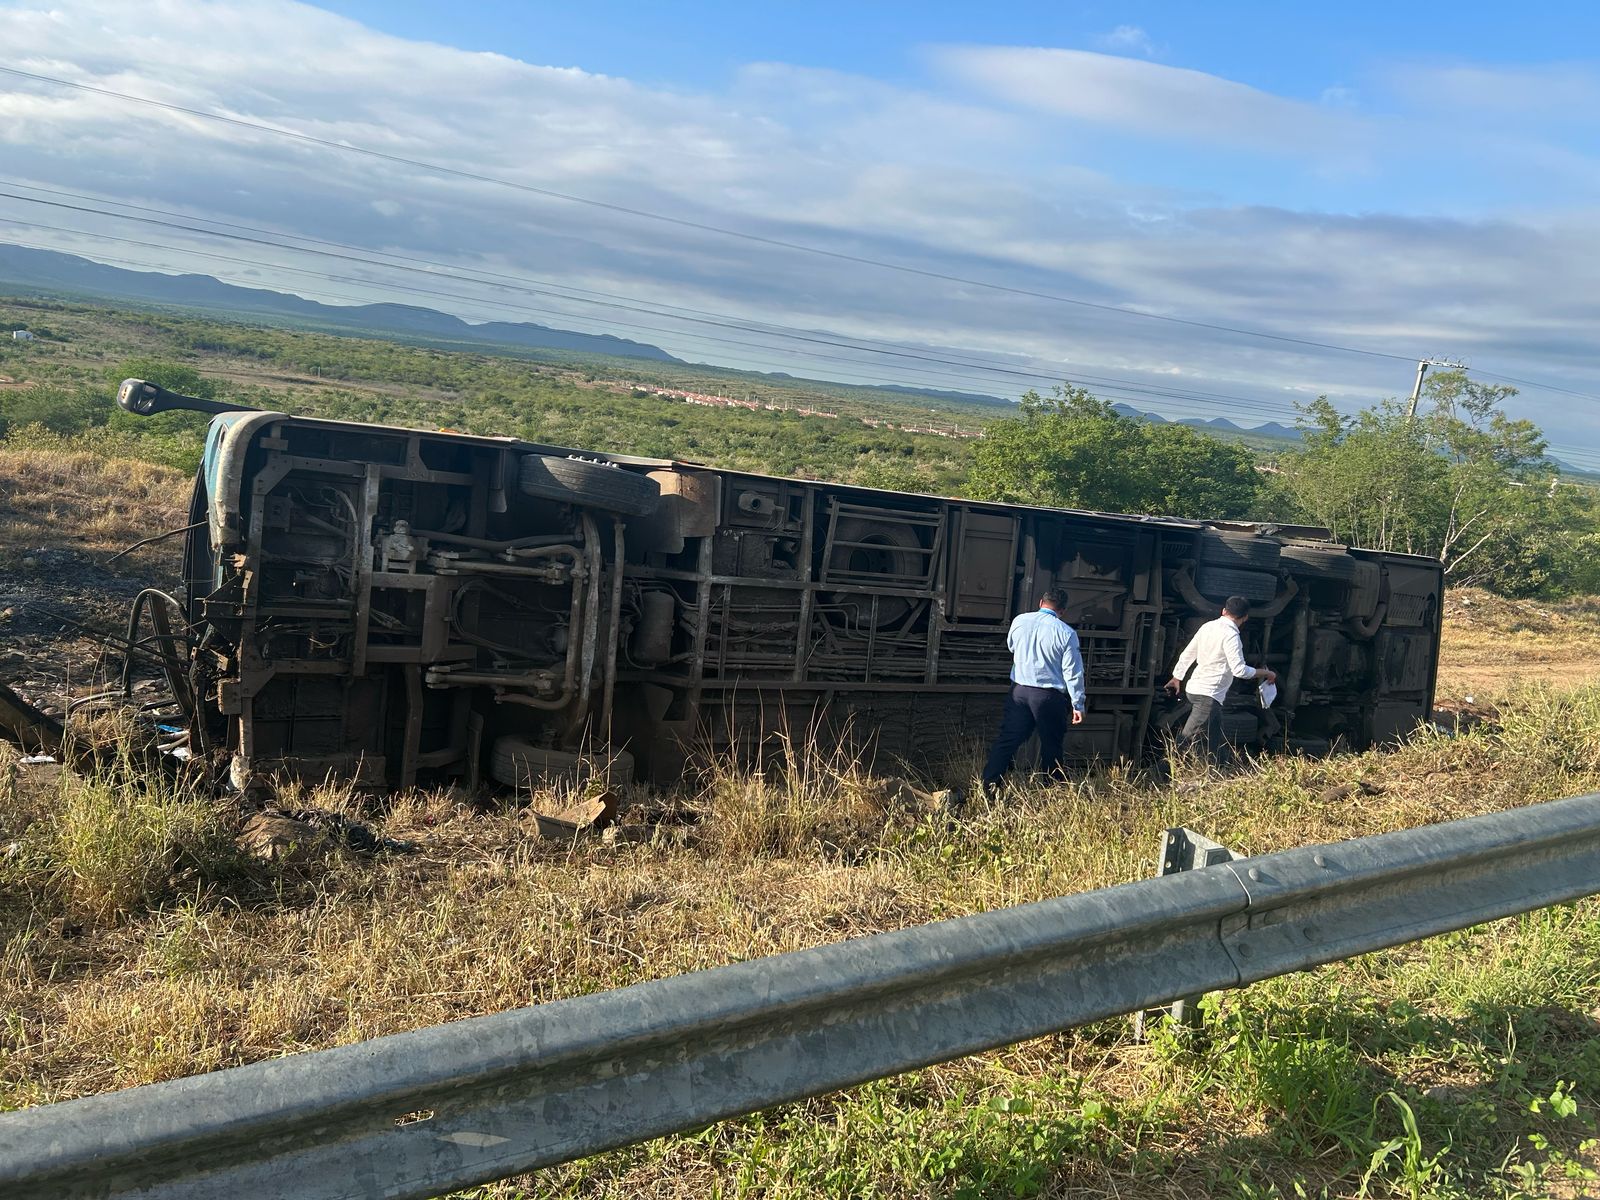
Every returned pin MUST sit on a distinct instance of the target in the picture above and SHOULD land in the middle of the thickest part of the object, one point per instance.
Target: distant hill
(1567, 468)
(1271, 429)
(47, 270)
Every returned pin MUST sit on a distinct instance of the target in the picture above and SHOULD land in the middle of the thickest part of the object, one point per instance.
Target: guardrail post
(1182, 849)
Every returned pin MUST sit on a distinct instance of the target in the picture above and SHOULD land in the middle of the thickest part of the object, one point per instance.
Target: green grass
(136, 948)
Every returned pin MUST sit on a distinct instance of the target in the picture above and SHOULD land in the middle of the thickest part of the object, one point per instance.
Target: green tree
(1072, 450)
(1499, 480)
(1461, 481)
(1374, 478)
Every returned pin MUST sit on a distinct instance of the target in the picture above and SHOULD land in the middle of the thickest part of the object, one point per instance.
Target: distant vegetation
(1462, 481)
(1071, 450)
(66, 390)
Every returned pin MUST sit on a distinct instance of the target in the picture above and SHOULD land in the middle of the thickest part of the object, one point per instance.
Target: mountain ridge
(59, 272)
(1271, 429)
(56, 271)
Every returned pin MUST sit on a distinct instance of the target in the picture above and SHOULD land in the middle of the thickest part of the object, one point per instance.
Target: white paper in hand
(1269, 693)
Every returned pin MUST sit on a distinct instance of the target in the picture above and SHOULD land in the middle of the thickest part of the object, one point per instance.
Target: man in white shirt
(1216, 654)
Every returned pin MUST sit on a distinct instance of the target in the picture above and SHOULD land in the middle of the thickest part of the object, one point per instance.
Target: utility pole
(1422, 369)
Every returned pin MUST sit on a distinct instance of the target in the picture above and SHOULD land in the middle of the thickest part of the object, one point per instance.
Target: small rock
(270, 837)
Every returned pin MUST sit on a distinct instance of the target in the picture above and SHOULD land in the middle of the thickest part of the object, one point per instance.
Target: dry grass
(78, 499)
(1492, 645)
(137, 948)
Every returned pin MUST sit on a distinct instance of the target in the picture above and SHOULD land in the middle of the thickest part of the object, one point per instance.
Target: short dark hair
(1055, 597)
(1236, 606)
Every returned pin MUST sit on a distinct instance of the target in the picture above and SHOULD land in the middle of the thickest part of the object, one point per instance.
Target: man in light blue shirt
(1046, 673)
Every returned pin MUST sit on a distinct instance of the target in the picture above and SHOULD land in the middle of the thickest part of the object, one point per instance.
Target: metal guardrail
(417, 1114)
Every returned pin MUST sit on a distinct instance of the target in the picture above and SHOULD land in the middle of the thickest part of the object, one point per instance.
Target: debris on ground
(1464, 715)
(589, 814)
(654, 823)
(35, 731)
(902, 794)
(296, 835)
(1343, 791)
(675, 836)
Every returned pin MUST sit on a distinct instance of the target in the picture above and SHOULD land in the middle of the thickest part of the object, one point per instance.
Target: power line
(462, 276)
(967, 369)
(1169, 398)
(500, 306)
(479, 273)
(1108, 387)
(844, 377)
(549, 193)
(1582, 457)
(325, 294)
(659, 307)
(964, 369)
(1544, 387)
(703, 227)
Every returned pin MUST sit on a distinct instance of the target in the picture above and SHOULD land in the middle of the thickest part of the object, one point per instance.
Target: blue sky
(1352, 55)
(1291, 49)
(1405, 179)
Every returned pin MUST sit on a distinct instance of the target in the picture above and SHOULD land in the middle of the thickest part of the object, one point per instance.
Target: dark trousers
(1203, 730)
(1029, 710)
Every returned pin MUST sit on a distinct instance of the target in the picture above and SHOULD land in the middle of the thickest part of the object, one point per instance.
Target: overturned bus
(395, 606)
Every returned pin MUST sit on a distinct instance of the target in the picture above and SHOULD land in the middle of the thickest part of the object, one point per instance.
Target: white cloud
(1127, 39)
(997, 186)
(1172, 104)
(1565, 90)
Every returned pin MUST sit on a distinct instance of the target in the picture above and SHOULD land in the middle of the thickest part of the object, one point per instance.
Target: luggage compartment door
(983, 570)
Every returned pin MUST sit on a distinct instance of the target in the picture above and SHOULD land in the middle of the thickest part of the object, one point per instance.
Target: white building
(21, 335)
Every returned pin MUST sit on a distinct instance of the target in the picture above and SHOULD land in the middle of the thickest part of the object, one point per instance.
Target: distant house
(21, 335)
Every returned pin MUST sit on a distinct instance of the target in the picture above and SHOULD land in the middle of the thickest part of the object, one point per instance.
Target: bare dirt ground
(63, 515)
(1492, 645)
